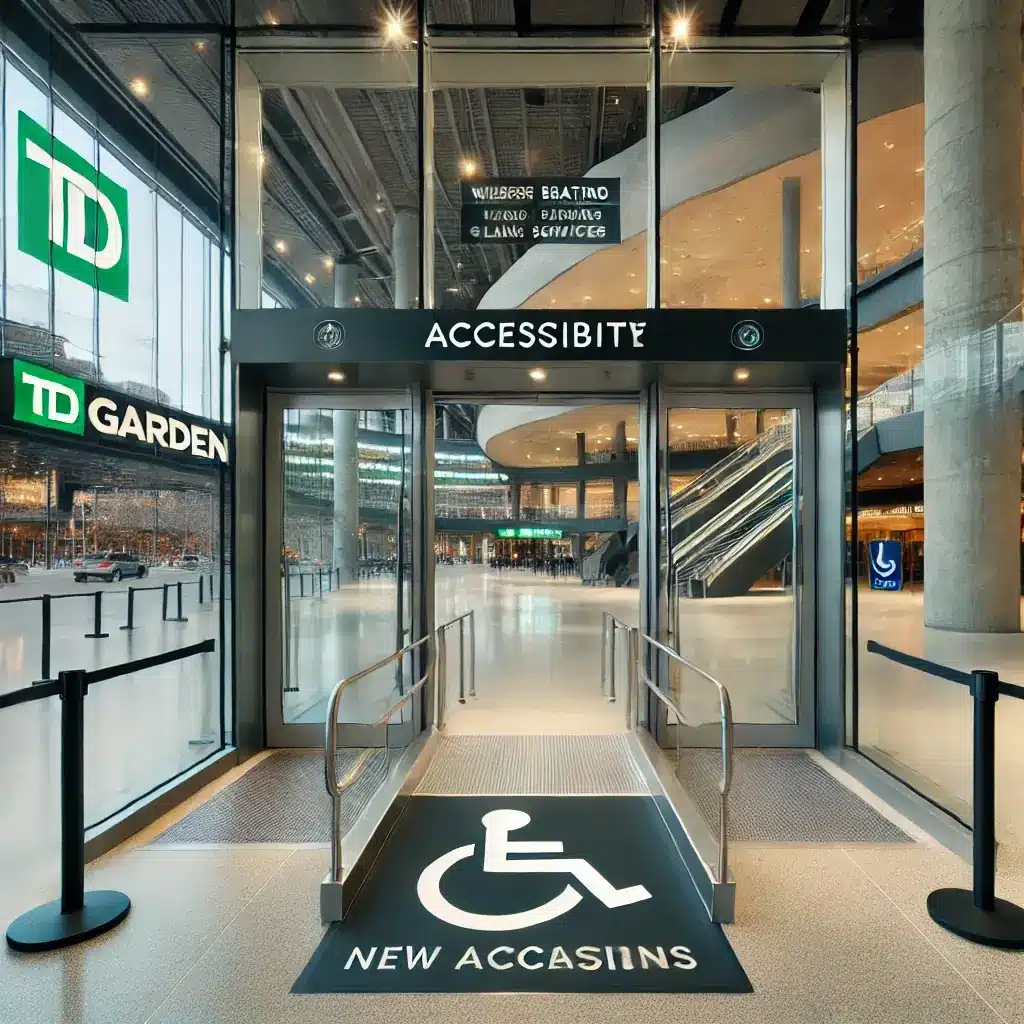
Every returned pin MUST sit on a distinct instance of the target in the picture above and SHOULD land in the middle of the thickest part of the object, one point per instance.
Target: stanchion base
(201, 742)
(125, 627)
(45, 927)
(175, 619)
(954, 909)
(96, 636)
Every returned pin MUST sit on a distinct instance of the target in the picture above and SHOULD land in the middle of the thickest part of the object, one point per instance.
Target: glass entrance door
(735, 504)
(339, 559)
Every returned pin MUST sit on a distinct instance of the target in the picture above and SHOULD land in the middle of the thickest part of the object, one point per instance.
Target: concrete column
(619, 482)
(249, 160)
(405, 252)
(345, 526)
(346, 285)
(790, 243)
(972, 278)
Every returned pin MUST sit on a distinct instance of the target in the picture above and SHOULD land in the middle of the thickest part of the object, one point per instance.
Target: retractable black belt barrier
(976, 915)
(97, 633)
(78, 915)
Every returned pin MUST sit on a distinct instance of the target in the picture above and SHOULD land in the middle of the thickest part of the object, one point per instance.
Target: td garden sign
(38, 398)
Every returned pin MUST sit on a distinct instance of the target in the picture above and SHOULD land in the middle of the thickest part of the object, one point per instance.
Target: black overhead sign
(59, 408)
(526, 894)
(525, 211)
(501, 335)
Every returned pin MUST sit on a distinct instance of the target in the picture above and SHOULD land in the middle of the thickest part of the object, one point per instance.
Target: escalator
(734, 524)
(724, 483)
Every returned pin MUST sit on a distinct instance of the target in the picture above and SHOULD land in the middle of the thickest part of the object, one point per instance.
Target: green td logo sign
(69, 214)
(47, 399)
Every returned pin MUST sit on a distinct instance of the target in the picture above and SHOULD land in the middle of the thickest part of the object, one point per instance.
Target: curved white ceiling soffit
(495, 420)
(739, 134)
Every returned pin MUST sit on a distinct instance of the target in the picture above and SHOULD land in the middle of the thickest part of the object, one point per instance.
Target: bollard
(46, 637)
(77, 915)
(131, 609)
(97, 620)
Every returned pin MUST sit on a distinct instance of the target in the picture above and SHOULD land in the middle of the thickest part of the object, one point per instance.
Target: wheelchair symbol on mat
(497, 847)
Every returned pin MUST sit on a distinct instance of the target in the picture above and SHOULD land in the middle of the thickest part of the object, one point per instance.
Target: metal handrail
(609, 624)
(442, 647)
(725, 705)
(336, 787)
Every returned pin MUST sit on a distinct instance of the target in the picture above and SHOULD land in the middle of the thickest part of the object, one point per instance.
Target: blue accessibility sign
(885, 558)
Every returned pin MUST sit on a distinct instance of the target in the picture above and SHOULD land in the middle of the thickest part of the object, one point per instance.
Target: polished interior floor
(218, 936)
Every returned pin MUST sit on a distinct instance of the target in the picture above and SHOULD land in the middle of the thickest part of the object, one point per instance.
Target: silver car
(109, 566)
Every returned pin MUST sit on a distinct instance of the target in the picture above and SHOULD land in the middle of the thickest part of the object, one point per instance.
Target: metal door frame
(420, 407)
(655, 553)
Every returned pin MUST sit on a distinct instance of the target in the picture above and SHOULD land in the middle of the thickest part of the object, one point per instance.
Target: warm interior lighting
(336, 375)
(139, 87)
(309, 279)
(328, 263)
(741, 373)
(280, 245)
(538, 373)
(199, 45)
(467, 167)
(395, 30)
(679, 29)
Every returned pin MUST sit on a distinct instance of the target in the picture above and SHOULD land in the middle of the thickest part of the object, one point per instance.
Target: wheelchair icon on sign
(497, 847)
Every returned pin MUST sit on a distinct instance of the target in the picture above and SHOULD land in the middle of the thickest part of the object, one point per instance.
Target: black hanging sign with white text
(527, 211)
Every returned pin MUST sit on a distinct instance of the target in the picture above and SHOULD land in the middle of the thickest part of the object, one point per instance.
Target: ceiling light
(336, 375)
(199, 45)
(357, 299)
(395, 30)
(280, 245)
(269, 18)
(139, 87)
(538, 373)
(741, 373)
(452, 289)
(328, 263)
(467, 167)
(679, 29)
(309, 279)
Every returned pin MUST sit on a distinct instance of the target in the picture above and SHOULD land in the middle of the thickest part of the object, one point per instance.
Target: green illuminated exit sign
(529, 532)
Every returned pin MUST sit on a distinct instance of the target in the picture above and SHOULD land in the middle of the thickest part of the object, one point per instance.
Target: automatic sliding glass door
(339, 559)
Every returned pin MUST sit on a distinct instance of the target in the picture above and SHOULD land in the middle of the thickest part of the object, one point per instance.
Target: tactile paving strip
(281, 800)
(782, 796)
(532, 766)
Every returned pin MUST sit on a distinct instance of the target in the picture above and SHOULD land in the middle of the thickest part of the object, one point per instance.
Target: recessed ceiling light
(280, 245)
(395, 29)
(199, 45)
(741, 373)
(336, 375)
(467, 167)
(309, 279)
(328, 263)
(538, 373)
(139, 87)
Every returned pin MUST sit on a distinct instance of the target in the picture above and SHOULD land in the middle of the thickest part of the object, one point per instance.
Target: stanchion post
(302, 584)
(472, 654)
(179, 617)
(77, 915)
(978, 915)
(131, 609)
(201, 589)
(46, 638)
(97, 618)
(612, 630)
(163, 608)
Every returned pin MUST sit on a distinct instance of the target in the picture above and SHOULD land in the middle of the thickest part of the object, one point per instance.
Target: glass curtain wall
(130, 291)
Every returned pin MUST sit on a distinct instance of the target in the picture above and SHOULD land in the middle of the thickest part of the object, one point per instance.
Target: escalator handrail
(781, 475)
(726, 558)
(766, 445)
